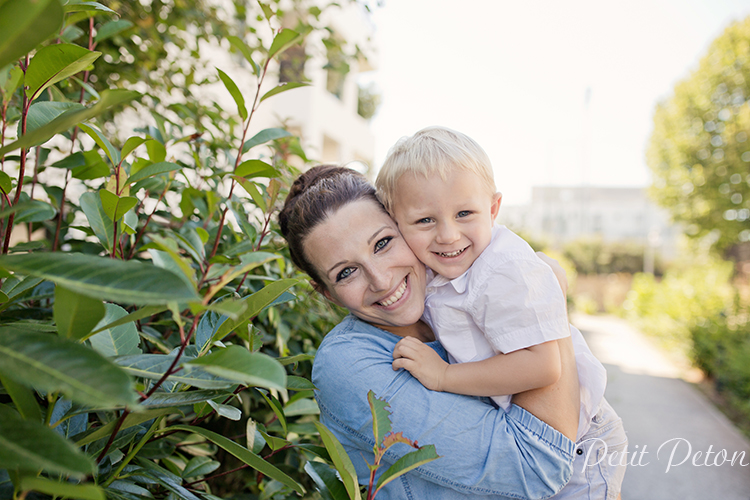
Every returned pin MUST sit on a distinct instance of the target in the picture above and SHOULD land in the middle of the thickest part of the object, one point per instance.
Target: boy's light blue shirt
(484, 450)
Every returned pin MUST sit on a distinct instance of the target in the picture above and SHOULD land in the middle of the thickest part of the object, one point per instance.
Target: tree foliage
(699, 152)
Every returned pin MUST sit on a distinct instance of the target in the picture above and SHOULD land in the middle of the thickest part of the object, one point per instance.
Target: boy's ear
(495, 207)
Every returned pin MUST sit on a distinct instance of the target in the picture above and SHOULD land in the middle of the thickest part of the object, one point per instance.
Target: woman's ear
(321, 289)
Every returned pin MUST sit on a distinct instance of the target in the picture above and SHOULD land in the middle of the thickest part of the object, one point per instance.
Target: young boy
(488, 294)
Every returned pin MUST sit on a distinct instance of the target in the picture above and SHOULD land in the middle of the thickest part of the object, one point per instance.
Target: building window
(336, 68)
(292, 64)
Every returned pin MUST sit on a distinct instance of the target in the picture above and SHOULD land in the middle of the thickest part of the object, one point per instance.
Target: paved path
(660, 409)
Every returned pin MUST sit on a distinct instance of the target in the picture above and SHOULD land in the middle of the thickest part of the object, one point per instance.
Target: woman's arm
(484, 450)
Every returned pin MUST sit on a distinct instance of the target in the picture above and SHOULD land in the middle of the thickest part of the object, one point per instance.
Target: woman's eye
(344, 273)
(382, 243)
(464, 213)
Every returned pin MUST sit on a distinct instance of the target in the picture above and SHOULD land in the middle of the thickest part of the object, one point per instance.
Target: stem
(148, 219)
(114, 242)
(239, 158)
(120, 421)
(133, 452)
(183, 345)
(62, 205)
(22, 167)
(243, 466)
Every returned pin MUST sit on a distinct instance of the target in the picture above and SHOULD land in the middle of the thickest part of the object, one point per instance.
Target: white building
(562, 214)
(324, 114)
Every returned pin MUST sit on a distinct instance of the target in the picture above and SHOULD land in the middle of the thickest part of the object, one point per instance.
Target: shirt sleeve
(483, 450)
(519, 304)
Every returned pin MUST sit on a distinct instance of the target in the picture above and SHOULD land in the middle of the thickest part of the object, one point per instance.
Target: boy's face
(447, 223)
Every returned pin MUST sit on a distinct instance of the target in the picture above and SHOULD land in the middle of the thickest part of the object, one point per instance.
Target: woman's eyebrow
(376, 233)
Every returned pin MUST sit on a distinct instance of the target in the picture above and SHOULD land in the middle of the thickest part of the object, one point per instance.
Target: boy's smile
(447, 223)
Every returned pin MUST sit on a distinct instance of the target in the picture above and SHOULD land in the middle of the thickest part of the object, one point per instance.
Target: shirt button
(430, 289)
(579, 451)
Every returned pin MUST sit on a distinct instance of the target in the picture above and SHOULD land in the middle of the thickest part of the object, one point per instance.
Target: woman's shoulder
(356, 333)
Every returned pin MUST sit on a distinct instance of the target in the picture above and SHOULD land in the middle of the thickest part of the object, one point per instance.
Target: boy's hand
(421, 361)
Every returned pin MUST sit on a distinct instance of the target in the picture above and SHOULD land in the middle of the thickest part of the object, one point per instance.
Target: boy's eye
(425, 220)
(382, 243)
(464, 213)
(344, 273)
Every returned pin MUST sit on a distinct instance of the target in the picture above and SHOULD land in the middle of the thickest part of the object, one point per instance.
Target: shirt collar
(436, 280)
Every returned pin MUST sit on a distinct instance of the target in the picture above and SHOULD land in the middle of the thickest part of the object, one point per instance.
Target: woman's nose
(380, 279)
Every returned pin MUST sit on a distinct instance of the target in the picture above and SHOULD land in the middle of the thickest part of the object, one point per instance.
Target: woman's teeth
(452, 254)
(396, 295)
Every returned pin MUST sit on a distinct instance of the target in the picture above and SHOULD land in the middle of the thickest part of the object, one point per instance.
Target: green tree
(699, 152)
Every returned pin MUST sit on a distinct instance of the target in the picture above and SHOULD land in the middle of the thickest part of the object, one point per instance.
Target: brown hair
(313, 197)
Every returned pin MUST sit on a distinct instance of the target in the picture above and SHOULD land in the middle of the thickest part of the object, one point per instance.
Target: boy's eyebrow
(369, 242)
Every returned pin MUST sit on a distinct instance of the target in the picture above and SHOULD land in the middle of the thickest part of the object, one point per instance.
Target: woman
(342, 237)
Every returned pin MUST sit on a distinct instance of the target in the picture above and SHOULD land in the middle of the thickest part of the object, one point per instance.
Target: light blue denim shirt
(484, 450)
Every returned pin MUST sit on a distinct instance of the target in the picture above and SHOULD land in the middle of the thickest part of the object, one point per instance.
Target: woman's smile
(367, 267)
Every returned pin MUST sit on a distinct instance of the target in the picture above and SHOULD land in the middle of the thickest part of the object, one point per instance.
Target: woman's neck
(419, 330)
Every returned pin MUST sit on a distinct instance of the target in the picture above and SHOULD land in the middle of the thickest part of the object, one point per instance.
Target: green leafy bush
(153, 335)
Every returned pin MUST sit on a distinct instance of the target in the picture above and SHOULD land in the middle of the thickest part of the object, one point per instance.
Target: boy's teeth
(453, 254)
(396, 295)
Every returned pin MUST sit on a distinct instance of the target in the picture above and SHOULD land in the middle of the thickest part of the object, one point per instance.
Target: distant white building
(324, 114)
(561, 214)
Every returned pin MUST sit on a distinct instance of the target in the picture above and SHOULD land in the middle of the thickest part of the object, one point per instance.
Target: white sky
(513, 75)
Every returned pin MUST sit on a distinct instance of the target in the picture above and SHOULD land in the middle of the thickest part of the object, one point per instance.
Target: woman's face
(367, 267)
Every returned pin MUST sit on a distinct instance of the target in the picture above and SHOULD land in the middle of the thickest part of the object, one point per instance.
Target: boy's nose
(447, 233)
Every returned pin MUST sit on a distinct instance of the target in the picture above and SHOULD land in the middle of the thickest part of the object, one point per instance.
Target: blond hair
(432, 151)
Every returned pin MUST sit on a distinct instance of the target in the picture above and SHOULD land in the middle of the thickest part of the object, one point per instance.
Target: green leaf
(169, 399)
(110, 98)
(30, 211)
(131, 144)
(200, 466)
(265, 135)
(112, 153)
(62, 489)
(226, 411)
(255, 168)
(116, 206)
(255, 303)
(94, 167)
(171, 260)
(294, 383)
(112, 28)
(133, 419)
(75, 314)
(32, 446)
(305, 406)
(6, 183)
(144, 312)
(151, 170)
(42, 113)
(236, 94)
(129, 282)
(252, 190)
(243, 454)
(84, 6)
(381, 417)
(240, 45)
(153, 366)
(50, 363)
(340, 460)
(9, 86)
(25, 24)
(240, 365)
(54, 63)
(328, 483)
(276, 407)
(91, 204)
(24, 399)
(283, 87)
(157, 153)
(406, 463)
(282, 41)
(120, 340)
